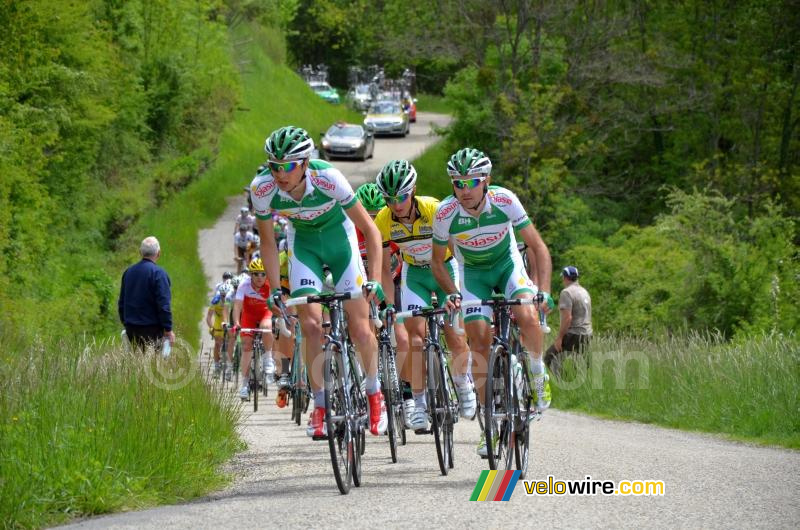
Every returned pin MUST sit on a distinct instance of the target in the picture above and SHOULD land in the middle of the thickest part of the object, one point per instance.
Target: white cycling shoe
(468, 405)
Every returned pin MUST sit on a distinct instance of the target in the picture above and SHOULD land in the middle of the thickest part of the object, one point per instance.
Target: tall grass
(747, 388)
(93, 428)
(433, 103)
(431, 167)
(272, 96)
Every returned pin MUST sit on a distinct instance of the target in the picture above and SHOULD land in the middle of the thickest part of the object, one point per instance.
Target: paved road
(285, 479)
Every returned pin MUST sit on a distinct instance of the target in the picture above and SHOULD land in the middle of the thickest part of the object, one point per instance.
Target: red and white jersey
(255, 301)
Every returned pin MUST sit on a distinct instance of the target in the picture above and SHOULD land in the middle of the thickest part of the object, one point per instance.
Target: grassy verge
(432, 103)
(431, 170)
(272, 96)
(93, 429)
(745, 389)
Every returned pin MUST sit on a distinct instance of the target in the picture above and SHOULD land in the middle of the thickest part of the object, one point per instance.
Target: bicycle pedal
(422, 431)
(323, 438)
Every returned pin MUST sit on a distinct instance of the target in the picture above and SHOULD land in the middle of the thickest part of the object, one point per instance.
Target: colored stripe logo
(495, 485)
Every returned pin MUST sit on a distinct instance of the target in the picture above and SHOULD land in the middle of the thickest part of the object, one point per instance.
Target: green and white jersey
(326, 197)
(483, 241)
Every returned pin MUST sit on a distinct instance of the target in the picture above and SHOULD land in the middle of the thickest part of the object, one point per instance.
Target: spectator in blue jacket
(145, 299)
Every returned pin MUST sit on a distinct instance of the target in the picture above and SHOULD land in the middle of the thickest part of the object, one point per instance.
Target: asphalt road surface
(284, 479)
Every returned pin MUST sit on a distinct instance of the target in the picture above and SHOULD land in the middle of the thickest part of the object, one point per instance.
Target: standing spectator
(145, 299)
(575, 328)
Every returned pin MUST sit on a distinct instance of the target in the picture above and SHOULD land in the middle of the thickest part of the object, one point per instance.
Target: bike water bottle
(166, 349)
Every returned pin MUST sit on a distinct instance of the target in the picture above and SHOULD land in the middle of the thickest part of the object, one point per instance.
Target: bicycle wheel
(337, 419)
(397, 402)
(254, 370)
(437, 406)
(360, 417)
(387, 386)
(264, 382)
(237, 358)
(496, 421)
(523, 434)
(294, 394)
(451, 414)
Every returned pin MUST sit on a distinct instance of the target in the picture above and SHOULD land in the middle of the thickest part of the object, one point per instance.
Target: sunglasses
(468, 184)
(259, 274)
(285, 166)
(397, 199)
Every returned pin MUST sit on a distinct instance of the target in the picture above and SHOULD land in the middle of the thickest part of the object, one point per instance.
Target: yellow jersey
(416, 244)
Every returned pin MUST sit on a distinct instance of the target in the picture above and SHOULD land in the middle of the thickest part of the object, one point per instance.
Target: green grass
(746, 389)
(431, 167)
(272, 96)
(85, 430)
(91, 428)
(433, 103)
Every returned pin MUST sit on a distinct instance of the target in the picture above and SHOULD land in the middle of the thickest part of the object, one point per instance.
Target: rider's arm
(237, 312)
(269, 252)
(372, 236)
(533, 272)
(544, 264)
(210, 317)
(564, 324)
(440, 269)
(386, 275)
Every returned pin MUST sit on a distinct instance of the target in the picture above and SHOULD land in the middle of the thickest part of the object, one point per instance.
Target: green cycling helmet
(396, 178)
(370, 196)
(289, 143)
(468, 162)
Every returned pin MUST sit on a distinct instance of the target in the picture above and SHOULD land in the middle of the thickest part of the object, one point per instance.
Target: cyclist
(371, 197)
(323, 213)
(479, 221)
(217, 317)
(252, 252)
(245, 219)
(241, 240)
(250, 311)
(408, 222)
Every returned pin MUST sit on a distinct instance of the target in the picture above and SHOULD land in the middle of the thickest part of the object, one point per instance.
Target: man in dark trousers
(575, 329)
(145, 299)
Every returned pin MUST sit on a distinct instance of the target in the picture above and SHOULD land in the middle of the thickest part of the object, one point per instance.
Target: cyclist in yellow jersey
(407, 220)
(217, 316)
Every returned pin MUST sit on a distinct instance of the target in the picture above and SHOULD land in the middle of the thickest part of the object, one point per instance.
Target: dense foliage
(107, 107)
(605, 117)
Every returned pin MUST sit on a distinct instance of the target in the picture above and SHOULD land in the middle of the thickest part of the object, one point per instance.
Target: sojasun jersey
(322, 206)
(484, 241)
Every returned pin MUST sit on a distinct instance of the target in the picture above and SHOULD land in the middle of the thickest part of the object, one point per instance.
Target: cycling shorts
(217, 327)
(507, 277)
(256, 319)
(336, 247)
(417, 283)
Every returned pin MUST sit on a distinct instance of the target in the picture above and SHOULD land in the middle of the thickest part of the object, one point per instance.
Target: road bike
(299, 389)
(442, 400)
(508, 400)
(390, 384)
(256, 378)
(346, 411)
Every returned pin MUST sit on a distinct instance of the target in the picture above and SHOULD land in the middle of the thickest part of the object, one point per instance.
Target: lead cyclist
(480, 220)
(323, 213)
